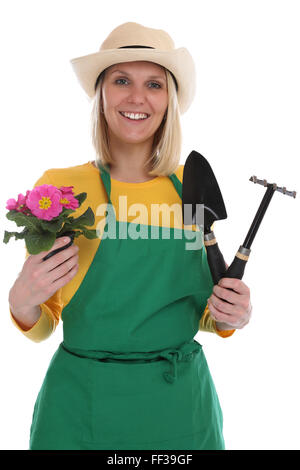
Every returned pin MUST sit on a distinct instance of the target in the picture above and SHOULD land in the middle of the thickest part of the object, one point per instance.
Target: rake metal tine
(282, 190)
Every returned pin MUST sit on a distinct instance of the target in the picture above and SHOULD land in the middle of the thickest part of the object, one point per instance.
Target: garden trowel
(201, 192)
(202, 205)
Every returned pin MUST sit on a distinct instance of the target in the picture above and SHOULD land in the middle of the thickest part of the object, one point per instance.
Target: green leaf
(78, 233)
(51, 226)
(37, 242)
(29, 221)
(17, 235)
(89, 233)
(81, 198)
(87, 218)
(66, 212)
(63, 215)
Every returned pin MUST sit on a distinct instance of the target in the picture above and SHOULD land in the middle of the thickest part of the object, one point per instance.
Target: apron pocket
(133, 406)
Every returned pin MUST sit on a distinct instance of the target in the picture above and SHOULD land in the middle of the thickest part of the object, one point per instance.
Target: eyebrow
(151, 76)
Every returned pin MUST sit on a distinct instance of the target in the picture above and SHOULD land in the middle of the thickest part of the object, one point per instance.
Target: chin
(134, 140)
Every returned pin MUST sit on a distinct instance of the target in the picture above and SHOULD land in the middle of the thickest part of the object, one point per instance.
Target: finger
(62, 281)
(59, 242)
(62, 269)
(226, 294)
(235, 284)
(222, 306)
(219, 316)
(60, 258)
(241, 301)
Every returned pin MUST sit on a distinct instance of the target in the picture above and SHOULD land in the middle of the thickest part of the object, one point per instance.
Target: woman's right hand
(39, 280)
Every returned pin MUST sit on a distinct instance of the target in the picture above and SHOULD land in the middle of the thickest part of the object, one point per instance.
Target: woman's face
(137, 88)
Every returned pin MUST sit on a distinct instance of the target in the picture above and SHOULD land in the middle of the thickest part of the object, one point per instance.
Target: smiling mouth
(139, 116)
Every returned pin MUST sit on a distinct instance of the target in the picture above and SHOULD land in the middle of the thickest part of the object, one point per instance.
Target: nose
(136, 95)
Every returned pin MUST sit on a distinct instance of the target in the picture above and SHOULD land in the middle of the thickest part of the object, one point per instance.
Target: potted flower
(44, 212)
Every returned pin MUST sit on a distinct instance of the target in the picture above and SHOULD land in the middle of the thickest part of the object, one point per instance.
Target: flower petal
(44, 201)
(11, 204)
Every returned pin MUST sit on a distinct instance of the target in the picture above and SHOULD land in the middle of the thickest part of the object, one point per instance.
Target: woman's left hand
(233, 315)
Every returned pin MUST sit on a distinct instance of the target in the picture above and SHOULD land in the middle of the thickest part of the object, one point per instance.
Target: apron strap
(105, 176)
(177, 183)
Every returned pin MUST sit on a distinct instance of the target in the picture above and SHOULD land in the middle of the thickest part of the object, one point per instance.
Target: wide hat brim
(178, 61)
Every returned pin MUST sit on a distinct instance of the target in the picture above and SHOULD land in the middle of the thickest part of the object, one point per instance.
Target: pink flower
(19, 205)
(11, 205)
(66, 189)
(44, 201)
(68, 200)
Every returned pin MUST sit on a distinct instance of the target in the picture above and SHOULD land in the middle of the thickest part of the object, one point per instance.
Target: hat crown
(135, 34)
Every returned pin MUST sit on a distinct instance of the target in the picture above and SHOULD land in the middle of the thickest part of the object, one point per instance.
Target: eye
(154, 83)
(119, 80)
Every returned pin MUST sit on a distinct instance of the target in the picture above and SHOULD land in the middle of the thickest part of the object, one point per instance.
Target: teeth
(135, 116)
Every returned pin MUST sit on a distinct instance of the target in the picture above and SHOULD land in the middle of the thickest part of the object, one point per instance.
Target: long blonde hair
(166, 149)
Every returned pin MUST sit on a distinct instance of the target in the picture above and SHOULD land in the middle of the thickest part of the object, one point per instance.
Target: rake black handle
(259, 216)
(237, 268)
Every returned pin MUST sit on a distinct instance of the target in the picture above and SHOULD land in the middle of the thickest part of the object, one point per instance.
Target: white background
(245, 120)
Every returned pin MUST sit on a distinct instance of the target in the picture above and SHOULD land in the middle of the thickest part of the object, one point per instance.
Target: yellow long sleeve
(207, 323)
(42, 329)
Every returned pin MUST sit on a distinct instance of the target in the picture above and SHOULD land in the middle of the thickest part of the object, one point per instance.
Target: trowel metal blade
(200, 187)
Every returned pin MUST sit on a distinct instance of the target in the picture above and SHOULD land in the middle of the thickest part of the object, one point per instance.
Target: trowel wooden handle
(237, 267)
(214, 257)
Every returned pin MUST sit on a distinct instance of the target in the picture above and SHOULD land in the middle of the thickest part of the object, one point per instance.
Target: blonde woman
(129, 374)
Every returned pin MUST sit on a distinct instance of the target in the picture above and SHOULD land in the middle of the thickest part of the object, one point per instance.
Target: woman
(129, 374)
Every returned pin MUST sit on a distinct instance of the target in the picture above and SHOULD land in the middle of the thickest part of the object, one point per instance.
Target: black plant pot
(70, 234)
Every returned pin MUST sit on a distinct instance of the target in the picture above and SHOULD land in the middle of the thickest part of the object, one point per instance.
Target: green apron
(128, 374)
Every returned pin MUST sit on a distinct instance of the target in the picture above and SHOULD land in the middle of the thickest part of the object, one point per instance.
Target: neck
(130, 161)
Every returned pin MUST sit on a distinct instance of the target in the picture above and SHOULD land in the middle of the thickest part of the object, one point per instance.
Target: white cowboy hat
(131, 42)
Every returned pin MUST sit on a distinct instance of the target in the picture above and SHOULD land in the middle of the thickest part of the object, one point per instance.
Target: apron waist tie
(185, 353)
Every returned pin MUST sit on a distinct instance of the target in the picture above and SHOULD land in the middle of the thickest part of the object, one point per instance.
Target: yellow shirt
(86, 178)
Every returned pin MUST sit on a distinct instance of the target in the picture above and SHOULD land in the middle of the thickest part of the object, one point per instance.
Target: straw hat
(131, 42)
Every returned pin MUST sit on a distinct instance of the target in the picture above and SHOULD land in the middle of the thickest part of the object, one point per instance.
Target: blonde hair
(166, 149)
